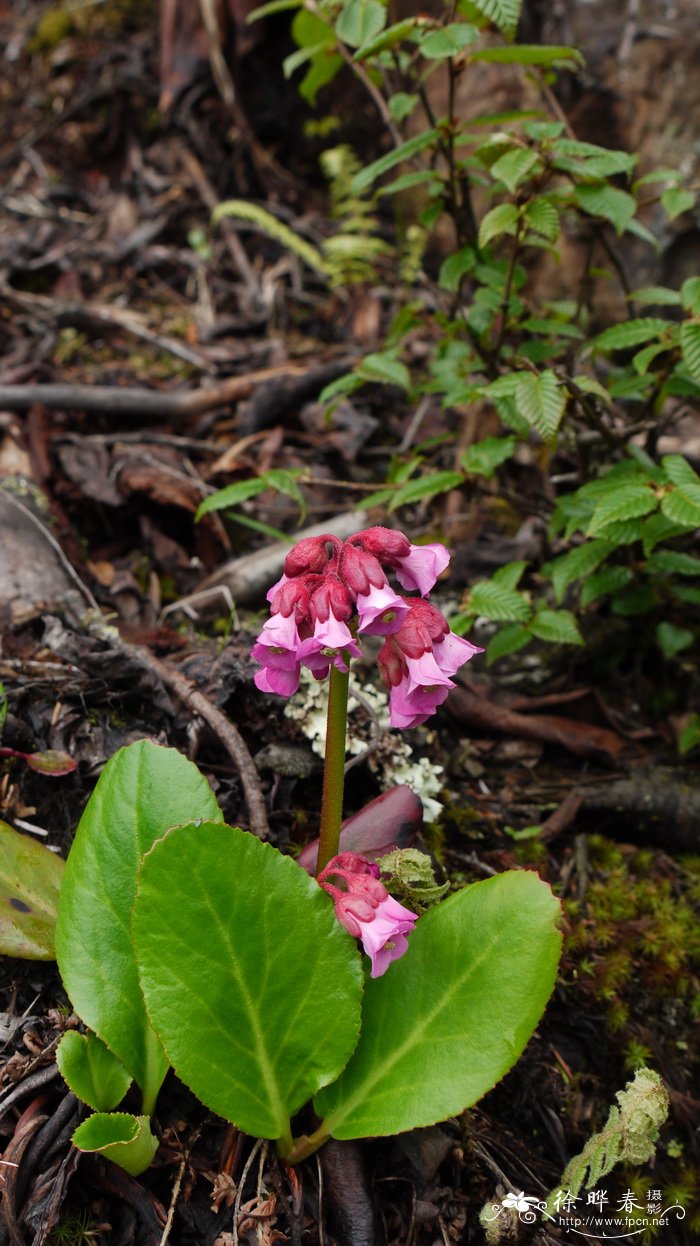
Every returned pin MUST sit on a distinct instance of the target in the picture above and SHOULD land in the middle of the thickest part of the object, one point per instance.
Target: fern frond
(351, 254)
(274, 228)
(628, 1136)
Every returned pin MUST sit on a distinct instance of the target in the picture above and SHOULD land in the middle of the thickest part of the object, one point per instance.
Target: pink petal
(421, 567)
(381, 611)
(424, 672)
(274, 679)
(453, 652)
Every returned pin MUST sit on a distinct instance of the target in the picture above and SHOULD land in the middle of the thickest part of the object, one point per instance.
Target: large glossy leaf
(30, 879)
(452, 1016)
(250, 981)
(142, 791)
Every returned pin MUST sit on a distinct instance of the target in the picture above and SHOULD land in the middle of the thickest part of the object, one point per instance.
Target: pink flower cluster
(365, 908)
(333, 591)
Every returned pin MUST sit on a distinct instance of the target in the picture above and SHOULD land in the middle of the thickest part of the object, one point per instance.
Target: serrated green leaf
(222, 923)
(30, 881)
(514, 167)
(542, 401)
(644, 358)
(510, 574)
(364, 179)
(656, 294)
(455, 267)
(508, 639)
(576, 565)
(682, 507)
(679, 472)
(493, 601)
(608, 202)
(360, 21)
(628, 502)
(690, 347)
(635, 600)
(672, 640)
(500, 220)
(386, 369)
(631, 333)
(447, 41)
(389, 38)
(604, 583)
(428, 486)
(482, 458)
(543, 218)
(690, 295)
(546, 55)
(482, 961)
(91, 1070)
(421, 177)
(673, 562)
(505, 14)
(675, 201)
(658, 528)
(401, 105)
(142, 790)
(557, 627)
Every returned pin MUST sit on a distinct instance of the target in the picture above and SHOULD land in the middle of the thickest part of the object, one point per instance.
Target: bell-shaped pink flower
(384, 938)
(420, 568)
(364, 906)
(381, 611)
(411, 708)
(277, 651)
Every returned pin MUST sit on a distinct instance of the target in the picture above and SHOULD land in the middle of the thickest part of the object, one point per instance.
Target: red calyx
(392, 667)
(331, 596)
(360, 570)
(385, 543)
(310, 554)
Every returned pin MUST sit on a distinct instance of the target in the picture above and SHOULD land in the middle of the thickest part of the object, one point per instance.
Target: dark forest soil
(110, 276)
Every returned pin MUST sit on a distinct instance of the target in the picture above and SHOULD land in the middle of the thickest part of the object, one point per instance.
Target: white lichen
(389, 756)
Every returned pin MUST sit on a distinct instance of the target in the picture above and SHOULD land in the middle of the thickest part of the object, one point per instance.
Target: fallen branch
(129, 401)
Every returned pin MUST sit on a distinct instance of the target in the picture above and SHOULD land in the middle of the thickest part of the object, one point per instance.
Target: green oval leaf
(360, 21)
(251, 983)
(447, 41)
(121, 1137)
(454, 1014)
(91, 1071)
(30, 880)
(142, 791)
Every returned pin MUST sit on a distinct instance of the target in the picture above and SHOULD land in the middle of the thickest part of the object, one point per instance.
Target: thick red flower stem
(334, 768)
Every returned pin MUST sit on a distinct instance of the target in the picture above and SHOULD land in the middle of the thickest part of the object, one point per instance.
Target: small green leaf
(500, 220)
(494, 601)
(389, 38)
(453, 1015)
(542, 401)
(360, 21)
(689, 737)
(543, 218)
(482, 458)
(673, 562)
(127, 1140)
(447, 41)
(628, 502)
(401, 105)
(607, 201)
(682, 506)
(631, 333)
(510, 574)
(508, 639)
(546, 55)
(606, 582)
(91, 1071)
(576, 564)
(364, 179)
(386, 369)
(662, 295)
(672, 639)
(690, 295)
(505, 14)
(454, 268)
(428, 486)
(142, 790)
(514, 167)
(273, 6)
(251, 982)
(30, 881)
(679, 472)
(676, 201)
(690, 347)
(557, 627)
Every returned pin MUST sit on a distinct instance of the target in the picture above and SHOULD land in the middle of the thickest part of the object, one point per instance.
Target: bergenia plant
(187, 943)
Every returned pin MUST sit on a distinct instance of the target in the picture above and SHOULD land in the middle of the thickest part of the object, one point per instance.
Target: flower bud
(360, 570)
(385, 543)
(309, 554)
(331, 597)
